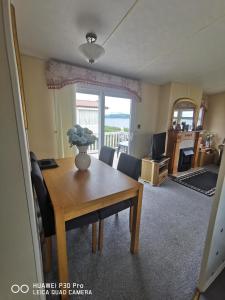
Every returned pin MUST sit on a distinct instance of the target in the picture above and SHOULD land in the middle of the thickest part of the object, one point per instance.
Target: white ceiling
(159, 40)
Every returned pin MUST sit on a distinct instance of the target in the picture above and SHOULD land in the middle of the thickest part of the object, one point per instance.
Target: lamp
(91, 50)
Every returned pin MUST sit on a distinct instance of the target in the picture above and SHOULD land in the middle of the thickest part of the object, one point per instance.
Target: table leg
(131, 218)
(136, 222)
(61, 250)
(47, 254)
(94, 237)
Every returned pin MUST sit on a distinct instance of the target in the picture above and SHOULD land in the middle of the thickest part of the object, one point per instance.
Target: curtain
(60, 74)
(65, 118)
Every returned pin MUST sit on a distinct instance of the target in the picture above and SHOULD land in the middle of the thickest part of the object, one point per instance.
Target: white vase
(82, 159)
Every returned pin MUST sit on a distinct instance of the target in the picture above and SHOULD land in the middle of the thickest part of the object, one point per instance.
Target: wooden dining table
(75, 193)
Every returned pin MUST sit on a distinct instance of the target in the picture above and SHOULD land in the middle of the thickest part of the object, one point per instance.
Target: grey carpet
(173, 230)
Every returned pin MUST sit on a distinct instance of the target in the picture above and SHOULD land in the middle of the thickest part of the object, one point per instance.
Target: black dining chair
(106, 155)
(47, 214)
(130, 166)
(33, 156)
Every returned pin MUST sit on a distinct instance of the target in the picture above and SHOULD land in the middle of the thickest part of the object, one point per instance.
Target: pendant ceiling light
(91, 50)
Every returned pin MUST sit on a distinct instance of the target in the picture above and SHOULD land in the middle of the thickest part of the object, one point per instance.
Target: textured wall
(40, 108)
(169, 93)
(163, 110)
(147, 109)
(146, 115)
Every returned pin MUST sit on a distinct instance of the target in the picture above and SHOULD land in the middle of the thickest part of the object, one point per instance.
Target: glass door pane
(117, 123)
(87, 115)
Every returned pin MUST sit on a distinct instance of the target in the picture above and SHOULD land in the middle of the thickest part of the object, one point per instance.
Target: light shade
(91, 51)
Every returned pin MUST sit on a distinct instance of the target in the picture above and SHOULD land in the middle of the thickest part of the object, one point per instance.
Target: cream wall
(44, 138)
(215, 116)
(180, 90)
(147, 109)
(163, 110)
(40, 108)
(169, 93)
(146, 113)
(65, 116)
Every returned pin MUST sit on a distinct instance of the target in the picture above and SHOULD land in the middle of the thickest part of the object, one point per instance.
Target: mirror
(184, 115)
(201, 117)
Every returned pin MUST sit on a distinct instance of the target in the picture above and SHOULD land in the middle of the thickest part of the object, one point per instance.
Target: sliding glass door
(107, 115)
(87, 115)
(117, 114)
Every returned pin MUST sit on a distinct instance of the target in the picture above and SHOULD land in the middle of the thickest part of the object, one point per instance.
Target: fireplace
(177, 142)
(185, 159)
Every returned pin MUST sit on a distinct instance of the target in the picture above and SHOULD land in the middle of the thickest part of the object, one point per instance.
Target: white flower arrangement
(80, 136)
(208, 138)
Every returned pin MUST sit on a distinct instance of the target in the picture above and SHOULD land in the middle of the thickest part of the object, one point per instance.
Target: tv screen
(158, 145)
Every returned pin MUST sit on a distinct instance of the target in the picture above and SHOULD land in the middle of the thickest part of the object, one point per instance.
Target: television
(158, 145)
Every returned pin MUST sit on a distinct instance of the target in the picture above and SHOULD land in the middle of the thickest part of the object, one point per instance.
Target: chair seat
(72, 224)
(82, 221)
(115, 208)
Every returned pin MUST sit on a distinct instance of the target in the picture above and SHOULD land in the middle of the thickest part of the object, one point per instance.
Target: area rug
(202, 181)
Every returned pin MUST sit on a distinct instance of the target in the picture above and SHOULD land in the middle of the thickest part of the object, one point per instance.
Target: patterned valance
(60, 74)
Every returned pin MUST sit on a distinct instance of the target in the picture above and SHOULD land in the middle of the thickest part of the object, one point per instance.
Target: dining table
(74, 193)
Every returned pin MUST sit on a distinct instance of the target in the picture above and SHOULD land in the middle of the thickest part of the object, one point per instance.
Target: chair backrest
(106, 155)
(129, 165)
(33, 156)
(43, 198)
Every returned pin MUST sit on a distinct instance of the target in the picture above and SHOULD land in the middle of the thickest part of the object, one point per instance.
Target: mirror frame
(185, 99)
(204, 107)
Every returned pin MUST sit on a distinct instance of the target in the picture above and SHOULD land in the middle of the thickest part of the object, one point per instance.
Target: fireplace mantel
(177, 140)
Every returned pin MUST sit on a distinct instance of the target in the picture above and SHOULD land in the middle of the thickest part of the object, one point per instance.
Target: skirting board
(212, 278)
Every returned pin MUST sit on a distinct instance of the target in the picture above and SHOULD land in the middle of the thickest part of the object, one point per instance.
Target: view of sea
(117, 122)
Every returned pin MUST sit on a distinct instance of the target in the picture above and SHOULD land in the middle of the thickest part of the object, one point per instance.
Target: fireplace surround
(178, 140)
